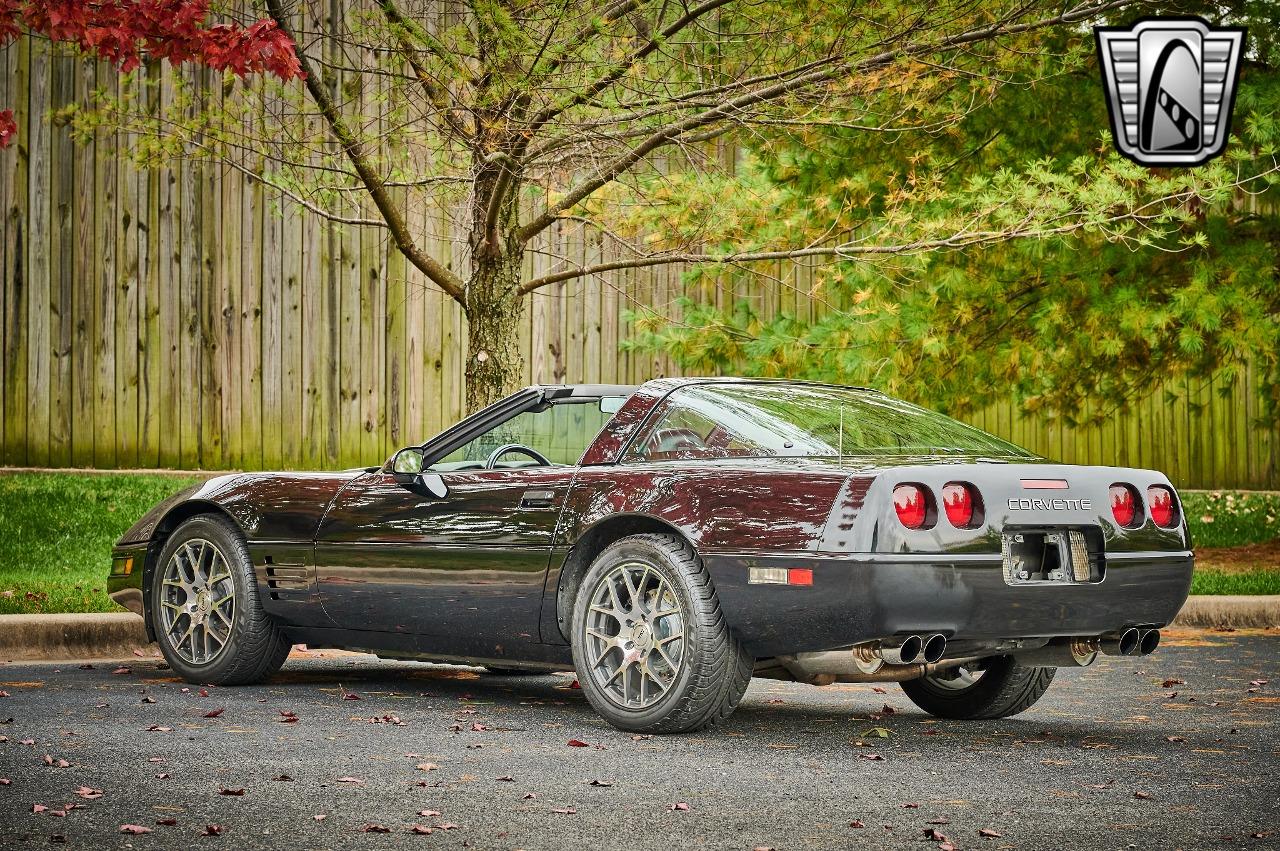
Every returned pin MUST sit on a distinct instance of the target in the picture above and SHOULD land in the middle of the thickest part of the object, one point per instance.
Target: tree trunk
(494, 309)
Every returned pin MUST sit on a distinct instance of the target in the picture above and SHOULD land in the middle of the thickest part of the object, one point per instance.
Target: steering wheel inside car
(508, 448)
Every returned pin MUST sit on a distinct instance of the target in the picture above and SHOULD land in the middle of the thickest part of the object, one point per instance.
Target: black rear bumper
(864, 597)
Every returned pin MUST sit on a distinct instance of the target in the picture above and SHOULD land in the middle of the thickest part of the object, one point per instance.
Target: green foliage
(1231, 519)
(992, 242)
(56, 532)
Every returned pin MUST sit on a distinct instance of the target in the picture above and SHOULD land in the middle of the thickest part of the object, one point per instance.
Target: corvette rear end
(922, 568)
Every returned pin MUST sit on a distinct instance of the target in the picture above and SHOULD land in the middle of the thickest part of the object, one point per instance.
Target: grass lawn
(56, 532)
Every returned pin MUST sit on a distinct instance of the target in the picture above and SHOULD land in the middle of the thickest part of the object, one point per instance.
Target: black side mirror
(406, 467)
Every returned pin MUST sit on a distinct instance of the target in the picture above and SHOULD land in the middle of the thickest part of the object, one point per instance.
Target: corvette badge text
(1170, 85)
(1050, 504)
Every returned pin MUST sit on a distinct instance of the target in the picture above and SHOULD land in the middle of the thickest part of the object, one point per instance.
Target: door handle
(537, 499)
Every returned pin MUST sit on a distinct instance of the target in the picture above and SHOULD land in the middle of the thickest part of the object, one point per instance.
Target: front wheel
(205, 609)
(997, 688)
(651, 648)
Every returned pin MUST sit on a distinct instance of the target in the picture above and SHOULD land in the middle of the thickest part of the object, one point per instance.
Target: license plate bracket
(1050, 556)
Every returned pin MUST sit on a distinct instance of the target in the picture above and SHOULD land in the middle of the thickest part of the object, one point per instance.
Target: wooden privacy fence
(189, 318)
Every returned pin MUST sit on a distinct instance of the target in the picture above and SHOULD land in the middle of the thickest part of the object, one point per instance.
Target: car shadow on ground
(847, 715)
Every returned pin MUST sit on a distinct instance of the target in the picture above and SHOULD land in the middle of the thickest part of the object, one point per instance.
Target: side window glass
(561, 434)
(683, 433)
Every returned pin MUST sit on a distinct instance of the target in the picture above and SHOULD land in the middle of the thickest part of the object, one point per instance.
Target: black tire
(255, 647)
(1005, 688)
(713, 668)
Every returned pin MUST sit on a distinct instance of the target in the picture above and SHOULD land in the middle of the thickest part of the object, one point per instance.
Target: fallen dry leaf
(988, 833)
(350, 780)
(578, 743)
(88, 793)
(134, 829)
(565, 811)
(375, 828)
(857, 823)
(1142, 796)
(319, 816)
(125, 669)
(429, 813)
(421, 829)
(214, 713)
(680, 807)
(212, 830)
(222, 790)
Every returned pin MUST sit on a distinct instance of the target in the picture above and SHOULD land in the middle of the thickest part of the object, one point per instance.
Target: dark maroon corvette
(670, 540)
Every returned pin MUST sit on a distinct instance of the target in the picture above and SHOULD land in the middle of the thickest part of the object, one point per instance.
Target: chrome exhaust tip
(933, 647)
(1123, 642)
(901, 650)
(1148, 641)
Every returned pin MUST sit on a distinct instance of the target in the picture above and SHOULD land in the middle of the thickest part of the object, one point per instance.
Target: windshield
(804, 421)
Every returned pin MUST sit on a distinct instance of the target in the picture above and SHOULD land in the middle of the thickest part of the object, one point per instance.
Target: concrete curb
(1240, 612)
(27, 638)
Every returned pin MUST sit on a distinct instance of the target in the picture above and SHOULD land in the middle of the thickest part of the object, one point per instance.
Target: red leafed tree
(125, 32)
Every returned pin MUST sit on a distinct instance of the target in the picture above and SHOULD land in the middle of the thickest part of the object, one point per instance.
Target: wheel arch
(593, 542)
(165, 527)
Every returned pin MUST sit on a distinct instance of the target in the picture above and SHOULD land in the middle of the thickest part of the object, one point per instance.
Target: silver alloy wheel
(956, 679)
(634, 635)
(197, 601)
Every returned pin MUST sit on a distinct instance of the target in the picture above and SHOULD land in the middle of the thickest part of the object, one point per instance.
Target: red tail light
(961, 502)
(1124, 504)
(912, 504)
(1160, 503)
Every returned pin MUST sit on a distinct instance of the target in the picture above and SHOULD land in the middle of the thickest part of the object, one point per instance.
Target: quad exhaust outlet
(910, 649)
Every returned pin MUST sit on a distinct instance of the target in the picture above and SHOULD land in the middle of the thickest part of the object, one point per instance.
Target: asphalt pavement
(1177, 750)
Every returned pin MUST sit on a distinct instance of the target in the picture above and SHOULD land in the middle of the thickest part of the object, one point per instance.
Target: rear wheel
(651, 648)
(208, 620)
(997, 688)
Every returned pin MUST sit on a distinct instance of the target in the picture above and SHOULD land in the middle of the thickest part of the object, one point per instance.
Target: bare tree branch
(351, 145)
(670, 132)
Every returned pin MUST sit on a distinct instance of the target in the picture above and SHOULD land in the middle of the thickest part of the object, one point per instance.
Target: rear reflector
(779, 576)
(1045, 484)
